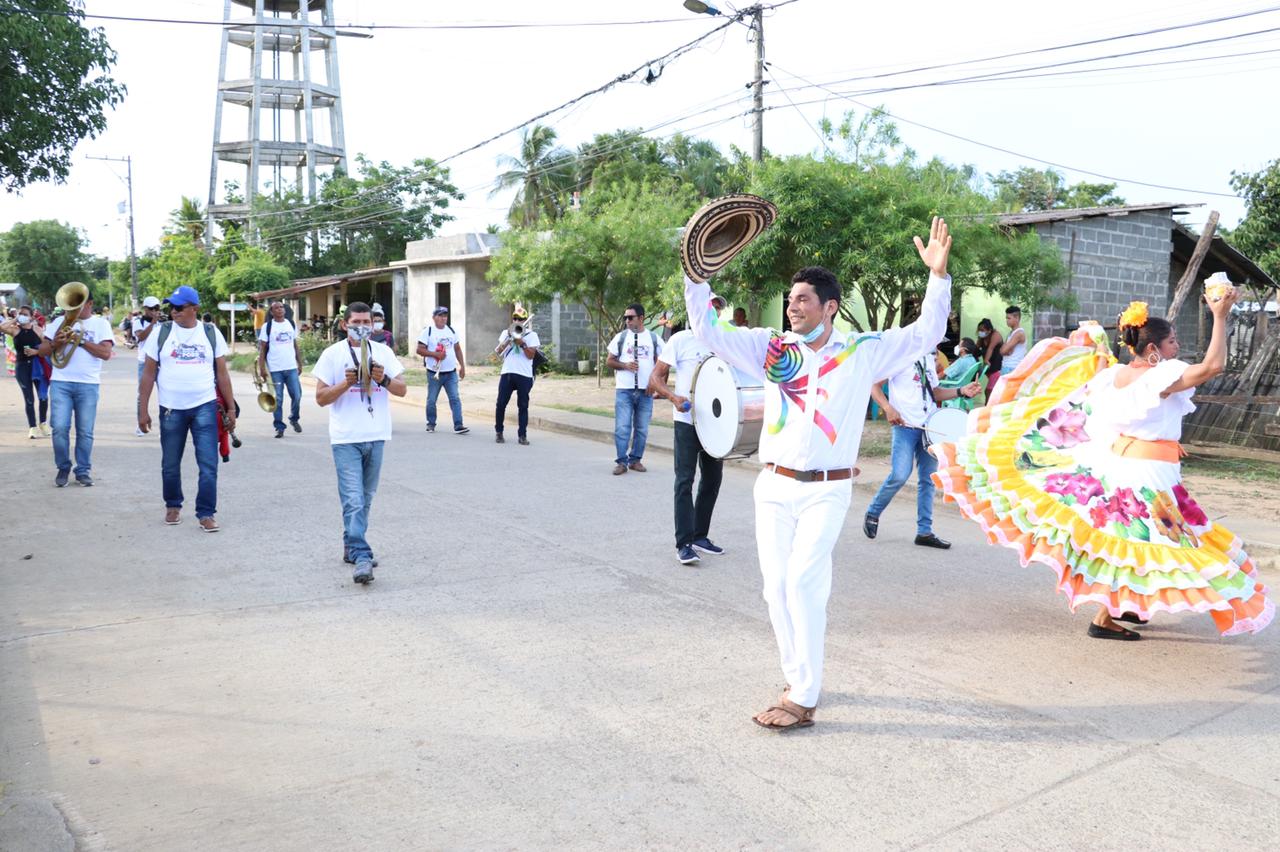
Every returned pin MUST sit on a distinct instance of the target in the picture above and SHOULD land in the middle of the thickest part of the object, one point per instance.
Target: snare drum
(945, 426)
(727, 418)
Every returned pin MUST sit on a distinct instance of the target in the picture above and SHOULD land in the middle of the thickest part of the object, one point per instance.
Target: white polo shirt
(639, 347)
(82, 367)
(683, 352)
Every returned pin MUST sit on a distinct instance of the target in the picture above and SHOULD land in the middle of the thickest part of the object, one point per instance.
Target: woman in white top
(1075, 463)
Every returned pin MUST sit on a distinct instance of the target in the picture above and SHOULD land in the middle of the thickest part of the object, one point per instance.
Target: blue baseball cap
(184, 296)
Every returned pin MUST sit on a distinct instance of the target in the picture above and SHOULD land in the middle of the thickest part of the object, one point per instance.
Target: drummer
(913, 396)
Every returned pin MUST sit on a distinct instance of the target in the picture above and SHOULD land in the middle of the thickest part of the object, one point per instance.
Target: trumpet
(71, 297)
(266, 397)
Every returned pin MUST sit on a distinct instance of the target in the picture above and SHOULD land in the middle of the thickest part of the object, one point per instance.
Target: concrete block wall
(567, 326)
(1116, 260)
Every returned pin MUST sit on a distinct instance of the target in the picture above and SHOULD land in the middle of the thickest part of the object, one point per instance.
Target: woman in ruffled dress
(1075, 463)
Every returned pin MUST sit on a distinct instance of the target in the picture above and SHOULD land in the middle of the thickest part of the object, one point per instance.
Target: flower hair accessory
(1134, 316)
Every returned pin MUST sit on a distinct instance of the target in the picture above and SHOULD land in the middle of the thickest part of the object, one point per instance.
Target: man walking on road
(517, 348)
(913, 395)
(280, 357)
(359, 427)
(73, 390)
(693, 517)
(441, 352)
(632, 354)
(187, 361)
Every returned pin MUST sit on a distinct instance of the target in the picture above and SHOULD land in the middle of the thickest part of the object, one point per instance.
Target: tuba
(71, 297)
(266, 396)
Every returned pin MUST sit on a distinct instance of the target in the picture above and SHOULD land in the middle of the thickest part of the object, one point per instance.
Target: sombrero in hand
(721, 229)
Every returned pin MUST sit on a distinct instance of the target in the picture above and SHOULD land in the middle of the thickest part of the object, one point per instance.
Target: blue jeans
(281, 379)
(358, 468)
(82, 399)
(631, 412)
(448, 381)
(908, 448)
(202, 423)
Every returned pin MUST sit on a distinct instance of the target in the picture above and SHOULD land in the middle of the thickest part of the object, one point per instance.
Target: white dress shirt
(816, 400)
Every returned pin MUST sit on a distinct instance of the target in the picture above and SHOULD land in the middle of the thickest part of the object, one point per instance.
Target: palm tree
(543, 172)
(189, 219)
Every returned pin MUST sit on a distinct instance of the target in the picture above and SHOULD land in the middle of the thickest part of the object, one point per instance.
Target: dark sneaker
(460, 430)
(363, 573)
(172, 516)
(931, 540)
(430, 428)
(209, 525)
(707, 546)
(637, 467)
(523, 442)
(279, 433)
(619, 469)
(688, 556)
(1120, 633)
(870, 525)
(61, 479)
(297, 427)
(346, 557)
(85, 480)
(499, 439)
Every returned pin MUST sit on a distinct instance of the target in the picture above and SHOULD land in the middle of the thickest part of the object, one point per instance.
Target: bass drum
(945, 426)
(727, 418)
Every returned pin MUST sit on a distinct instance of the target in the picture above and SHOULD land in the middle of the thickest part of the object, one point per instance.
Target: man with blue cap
(186, 360)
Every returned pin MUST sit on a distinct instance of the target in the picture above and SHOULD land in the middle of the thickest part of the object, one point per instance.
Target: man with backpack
(632, 354)
(441, 353)
(280, 357)
(186, 360)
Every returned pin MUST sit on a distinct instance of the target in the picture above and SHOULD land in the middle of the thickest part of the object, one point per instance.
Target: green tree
(42, 256)
(54, 89)
(543, 174)
(188, 218)
(180, 262)
(619, 248)
(1029, 189)
(252, 272)
(1258, 234)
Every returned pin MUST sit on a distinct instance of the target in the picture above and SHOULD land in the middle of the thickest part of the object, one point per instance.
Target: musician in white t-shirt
(685, 352)
(280, 357)
(73, 390)
(913, 395)
(187, 363)
(517, 348)
(632, 354)
(359, 427)
(441, 352)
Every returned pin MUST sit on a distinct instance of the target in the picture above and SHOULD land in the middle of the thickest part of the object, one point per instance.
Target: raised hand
(936, 252)
(1221, 308)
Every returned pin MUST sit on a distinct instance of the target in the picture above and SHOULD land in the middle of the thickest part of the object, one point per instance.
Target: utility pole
(757, 141)
(133, 250)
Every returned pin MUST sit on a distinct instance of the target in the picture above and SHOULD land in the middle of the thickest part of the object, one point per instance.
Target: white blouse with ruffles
(1137, 409)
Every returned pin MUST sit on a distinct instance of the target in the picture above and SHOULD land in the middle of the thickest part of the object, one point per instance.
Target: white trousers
(797, 525)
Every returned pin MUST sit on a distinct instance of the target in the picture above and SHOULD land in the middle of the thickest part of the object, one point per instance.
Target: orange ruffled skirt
(1117, 530)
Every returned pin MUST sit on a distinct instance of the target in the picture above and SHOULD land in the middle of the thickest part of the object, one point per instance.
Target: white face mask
(982, 334)
(959, 351)
(377, 326)
(24, 319)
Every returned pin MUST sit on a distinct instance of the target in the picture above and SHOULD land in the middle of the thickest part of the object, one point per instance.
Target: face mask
(815, 334)
(982, 334)
(959, 351)
(377, 326)
(359, 332)
(24, 319)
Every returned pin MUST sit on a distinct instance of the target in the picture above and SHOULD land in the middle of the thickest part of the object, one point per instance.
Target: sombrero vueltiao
(721, 229)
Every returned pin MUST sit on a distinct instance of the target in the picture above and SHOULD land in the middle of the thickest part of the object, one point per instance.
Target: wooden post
(1188, 279)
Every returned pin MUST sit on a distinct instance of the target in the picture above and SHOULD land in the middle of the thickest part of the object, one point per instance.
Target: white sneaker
(139, 432)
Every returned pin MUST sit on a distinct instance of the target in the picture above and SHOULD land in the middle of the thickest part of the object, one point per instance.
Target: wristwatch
(386, 380)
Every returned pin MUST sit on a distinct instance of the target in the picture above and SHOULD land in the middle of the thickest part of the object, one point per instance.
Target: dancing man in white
(817, 384)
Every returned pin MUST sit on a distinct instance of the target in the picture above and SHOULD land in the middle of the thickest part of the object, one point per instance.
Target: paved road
(533, 669)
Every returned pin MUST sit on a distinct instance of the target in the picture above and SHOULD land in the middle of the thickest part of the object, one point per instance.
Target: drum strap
(926, 389)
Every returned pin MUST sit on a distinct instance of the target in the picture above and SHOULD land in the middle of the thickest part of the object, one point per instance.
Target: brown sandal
(803, 716)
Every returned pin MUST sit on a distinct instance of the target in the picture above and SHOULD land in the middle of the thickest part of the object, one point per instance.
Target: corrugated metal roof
(302, 285)
(1238, 264)
(1037, 217)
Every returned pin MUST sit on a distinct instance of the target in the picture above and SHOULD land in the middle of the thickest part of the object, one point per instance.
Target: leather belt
(814, 475)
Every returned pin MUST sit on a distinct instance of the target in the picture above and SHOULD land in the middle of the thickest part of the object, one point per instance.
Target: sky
(433, 93)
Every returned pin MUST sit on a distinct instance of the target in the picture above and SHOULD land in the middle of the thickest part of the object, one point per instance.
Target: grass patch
(1242, 470)
(874, 449)
(599, 412)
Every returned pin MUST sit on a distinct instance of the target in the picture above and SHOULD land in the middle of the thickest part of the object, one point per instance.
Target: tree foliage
(619, 248)
(180, 262)
(252, 271)
(543, 174)
(55, 86)
(1258, 234)
(42, 256)
(1029, 189)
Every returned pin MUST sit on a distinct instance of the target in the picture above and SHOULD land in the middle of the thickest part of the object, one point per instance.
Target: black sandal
(1120, 633)
(1131, 618)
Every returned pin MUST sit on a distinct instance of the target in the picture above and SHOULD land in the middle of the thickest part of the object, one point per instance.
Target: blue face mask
(815, 334)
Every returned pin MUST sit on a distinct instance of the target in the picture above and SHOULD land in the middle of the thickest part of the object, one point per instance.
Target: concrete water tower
(286, 79)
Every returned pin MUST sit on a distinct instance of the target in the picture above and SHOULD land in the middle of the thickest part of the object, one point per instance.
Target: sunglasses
(630, 316)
